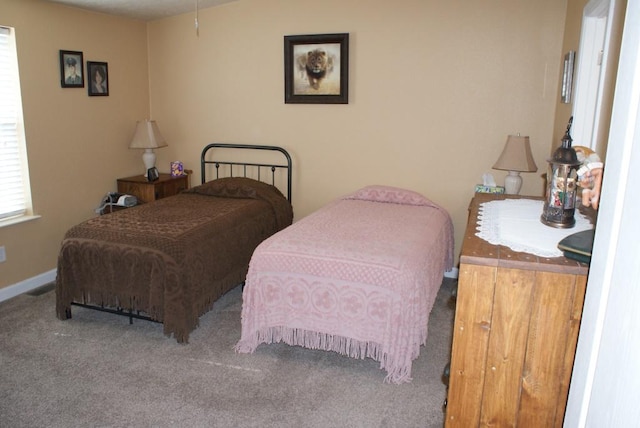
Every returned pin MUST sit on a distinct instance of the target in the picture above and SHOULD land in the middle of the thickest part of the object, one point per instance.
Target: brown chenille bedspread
(172, 258)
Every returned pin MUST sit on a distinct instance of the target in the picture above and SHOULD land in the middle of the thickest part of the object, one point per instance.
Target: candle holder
(562, 181)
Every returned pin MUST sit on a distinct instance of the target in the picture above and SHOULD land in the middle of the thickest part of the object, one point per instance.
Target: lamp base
(149, 159)
(512, 183)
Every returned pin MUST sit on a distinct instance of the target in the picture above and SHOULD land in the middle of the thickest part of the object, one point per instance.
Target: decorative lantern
(562, 181)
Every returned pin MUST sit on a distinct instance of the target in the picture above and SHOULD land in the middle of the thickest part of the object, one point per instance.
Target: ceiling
(145, 10)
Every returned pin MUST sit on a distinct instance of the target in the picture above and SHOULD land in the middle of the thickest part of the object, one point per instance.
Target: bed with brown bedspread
(173, 258)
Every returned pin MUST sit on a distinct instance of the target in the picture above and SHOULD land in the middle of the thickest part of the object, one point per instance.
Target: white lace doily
(516, 224)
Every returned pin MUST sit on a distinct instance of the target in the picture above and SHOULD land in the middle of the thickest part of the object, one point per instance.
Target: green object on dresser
(578, 246)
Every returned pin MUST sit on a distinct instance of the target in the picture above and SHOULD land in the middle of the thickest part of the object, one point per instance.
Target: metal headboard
(244, 165)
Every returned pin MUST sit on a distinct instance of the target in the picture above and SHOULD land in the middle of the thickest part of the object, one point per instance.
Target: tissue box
(481, 188)
(177, 169)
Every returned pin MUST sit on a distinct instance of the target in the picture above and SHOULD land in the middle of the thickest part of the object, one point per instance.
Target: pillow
(229, 187)
(388, 194)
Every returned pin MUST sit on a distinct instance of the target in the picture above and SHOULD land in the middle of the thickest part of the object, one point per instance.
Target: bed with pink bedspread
(358, 277)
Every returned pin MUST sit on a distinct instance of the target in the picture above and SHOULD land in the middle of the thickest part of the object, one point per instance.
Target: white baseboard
(27, 285)
(453, 273)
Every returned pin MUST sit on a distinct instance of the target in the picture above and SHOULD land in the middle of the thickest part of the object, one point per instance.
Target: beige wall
(435, 88)
(77, 145)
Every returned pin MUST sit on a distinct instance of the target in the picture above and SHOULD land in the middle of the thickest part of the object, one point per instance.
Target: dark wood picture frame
(97, 79)
(316, 69)
(71, 69)
(567, 77)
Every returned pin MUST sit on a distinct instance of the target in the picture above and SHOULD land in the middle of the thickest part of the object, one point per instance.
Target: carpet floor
(97, 370)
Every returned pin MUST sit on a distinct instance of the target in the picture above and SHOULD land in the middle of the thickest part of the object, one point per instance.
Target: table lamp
(516, 157)
(147, 136)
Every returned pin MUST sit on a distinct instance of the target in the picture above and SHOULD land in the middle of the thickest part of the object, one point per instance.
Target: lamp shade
(516, 155)
(147, 136)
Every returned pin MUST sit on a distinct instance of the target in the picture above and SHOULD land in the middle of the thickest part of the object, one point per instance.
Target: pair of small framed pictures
(71, 74)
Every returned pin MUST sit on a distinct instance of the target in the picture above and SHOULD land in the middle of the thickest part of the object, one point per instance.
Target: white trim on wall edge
(27, 285)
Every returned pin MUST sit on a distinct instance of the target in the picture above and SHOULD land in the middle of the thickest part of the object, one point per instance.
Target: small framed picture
(98, 84)
(316, 69)
(567, 77)
(71, 65)
(153, 174)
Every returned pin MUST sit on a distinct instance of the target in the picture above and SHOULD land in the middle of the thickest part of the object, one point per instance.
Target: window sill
(18, 219)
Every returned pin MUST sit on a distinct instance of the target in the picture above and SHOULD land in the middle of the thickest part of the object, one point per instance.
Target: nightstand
(147, 191)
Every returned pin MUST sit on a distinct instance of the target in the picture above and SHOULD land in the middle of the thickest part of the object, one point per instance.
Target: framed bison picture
(316, 69)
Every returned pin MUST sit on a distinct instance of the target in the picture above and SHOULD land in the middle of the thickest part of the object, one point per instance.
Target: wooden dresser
(515, 334)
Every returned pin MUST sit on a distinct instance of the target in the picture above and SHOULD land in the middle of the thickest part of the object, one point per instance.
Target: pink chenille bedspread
(359, 277)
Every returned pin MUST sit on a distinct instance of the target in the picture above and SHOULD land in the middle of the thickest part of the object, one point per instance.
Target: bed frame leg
(117, 311)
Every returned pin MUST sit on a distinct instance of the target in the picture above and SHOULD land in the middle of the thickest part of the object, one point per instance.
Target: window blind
(13, 198)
